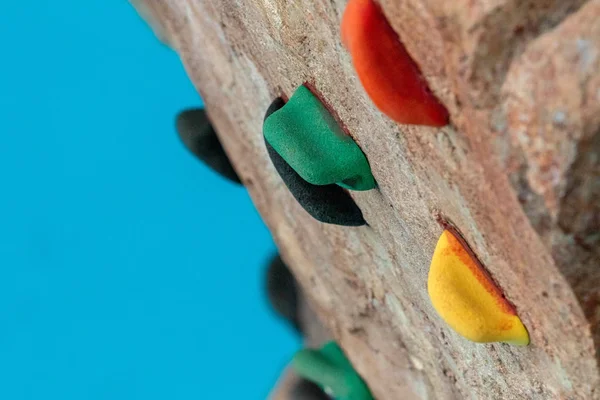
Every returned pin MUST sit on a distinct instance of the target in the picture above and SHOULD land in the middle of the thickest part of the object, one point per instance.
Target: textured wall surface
(517, 171)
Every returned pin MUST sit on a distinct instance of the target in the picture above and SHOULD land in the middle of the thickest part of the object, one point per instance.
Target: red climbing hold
(389, 75)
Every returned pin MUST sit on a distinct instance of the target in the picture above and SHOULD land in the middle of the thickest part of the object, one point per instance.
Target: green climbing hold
(329, 368)
(305, 134)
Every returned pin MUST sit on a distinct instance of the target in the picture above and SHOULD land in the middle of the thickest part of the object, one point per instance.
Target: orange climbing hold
(389, 75)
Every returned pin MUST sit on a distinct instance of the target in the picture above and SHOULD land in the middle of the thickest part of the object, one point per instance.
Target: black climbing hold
(306, 390)
(198, 135)
(282, 290)
(329, 204)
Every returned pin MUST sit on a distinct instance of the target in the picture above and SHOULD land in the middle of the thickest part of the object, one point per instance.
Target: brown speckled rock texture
(517, 171)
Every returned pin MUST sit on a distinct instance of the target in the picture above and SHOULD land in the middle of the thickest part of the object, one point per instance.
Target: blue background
(128, 270)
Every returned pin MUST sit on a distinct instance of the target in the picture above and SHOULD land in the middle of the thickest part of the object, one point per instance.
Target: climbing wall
(515, 172)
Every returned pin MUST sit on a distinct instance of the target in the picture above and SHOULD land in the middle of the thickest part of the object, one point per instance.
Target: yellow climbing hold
(466, 297)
